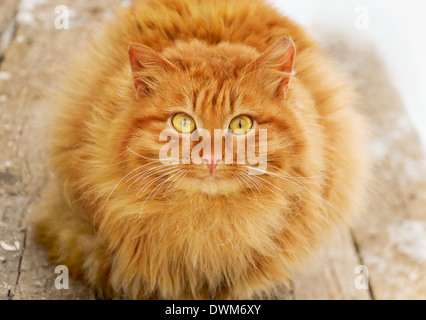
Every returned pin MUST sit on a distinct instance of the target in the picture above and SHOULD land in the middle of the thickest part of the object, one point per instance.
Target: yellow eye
(241, 124)
(183, 123)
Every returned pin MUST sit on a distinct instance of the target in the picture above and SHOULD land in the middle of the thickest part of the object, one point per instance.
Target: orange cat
(134, 226)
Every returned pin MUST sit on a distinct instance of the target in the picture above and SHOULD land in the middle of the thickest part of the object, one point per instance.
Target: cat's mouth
(210, 183)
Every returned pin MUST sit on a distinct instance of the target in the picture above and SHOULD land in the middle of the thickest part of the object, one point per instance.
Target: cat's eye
(183, 123)
(241, 124)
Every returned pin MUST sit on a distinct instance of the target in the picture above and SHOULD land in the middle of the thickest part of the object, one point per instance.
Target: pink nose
(212, 161)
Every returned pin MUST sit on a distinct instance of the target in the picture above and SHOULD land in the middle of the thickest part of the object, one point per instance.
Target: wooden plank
(37, 279)
(8, 10)
(32, 65)
(391, 234)
(12, 237)
(330, 275)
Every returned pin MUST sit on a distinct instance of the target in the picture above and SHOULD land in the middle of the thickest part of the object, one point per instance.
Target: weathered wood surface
(391, 234)
(389, 237)
(31, 66)
(8, 9)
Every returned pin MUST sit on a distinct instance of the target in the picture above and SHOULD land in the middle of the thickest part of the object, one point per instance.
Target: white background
(397, 30)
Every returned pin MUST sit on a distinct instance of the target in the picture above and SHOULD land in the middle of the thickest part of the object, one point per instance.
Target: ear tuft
(279, 58)
(147, 67)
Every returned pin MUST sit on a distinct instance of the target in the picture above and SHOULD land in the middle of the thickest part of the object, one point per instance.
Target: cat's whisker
(149, 195)
(301, 177)
(138, 168)
(262, 184)
(151, 172)
(238, 180)
(112, 164)
(144, 188)
(133, 177)
(141, 174)
(278, 195)
(256, 184)
(300, 186)
(165, 181)
(180, 180)
(268, 182)
(165, 192)
(254, 193)
(158, 188)
(311, 194)
(115, 163)
(143, 171)
(122, 180)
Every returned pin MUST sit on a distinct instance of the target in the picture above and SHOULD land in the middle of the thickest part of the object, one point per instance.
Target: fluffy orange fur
(209, 236)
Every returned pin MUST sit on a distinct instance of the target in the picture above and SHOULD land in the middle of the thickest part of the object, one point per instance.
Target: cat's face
(229, 94)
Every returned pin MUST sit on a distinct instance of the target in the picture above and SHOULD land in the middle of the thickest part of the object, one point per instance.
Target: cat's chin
(210, 185)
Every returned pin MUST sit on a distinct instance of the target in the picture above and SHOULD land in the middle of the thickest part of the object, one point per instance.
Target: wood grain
(32, 65)
(8, 9)
(389, 237)
(330, 275)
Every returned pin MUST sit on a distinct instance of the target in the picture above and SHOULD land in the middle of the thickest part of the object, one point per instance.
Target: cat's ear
(276, 65)
(148, 67)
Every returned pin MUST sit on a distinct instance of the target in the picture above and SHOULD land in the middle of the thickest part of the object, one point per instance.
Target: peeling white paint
(9, 247)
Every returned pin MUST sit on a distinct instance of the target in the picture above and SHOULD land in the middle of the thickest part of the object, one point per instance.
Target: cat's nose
(212, 161)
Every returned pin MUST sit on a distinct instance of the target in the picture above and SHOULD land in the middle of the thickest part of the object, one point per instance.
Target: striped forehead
(213, 88)
(213, 102)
